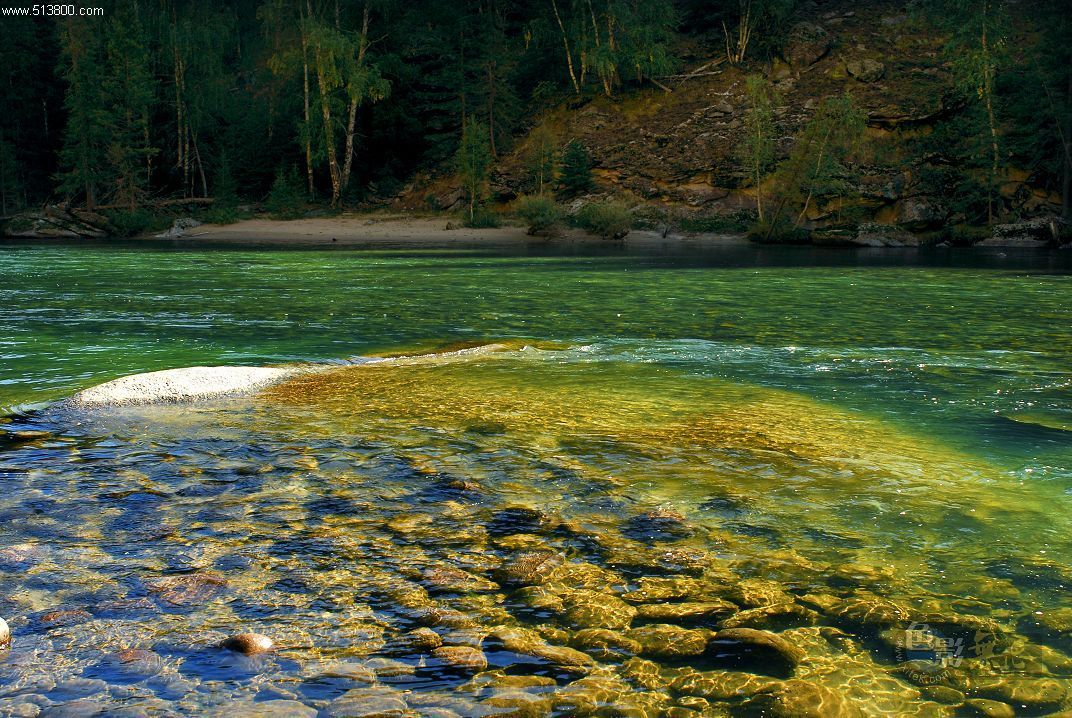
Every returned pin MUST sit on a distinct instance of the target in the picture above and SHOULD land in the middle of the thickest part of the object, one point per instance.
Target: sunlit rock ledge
(172, 386)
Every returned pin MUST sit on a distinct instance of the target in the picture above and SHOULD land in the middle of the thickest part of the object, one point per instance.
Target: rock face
(866, 70)
(870, 234)
(1039, 232)
(55, 221)
(918, 213)
(806, 45)
(173, 386)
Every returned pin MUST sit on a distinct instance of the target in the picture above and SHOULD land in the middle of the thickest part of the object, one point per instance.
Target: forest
(342, 102)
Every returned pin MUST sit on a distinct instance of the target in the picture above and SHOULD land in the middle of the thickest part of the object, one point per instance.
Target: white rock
(5, 634)
(180, 385)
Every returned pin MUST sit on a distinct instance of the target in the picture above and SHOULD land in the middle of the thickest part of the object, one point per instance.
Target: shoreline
(403, 231)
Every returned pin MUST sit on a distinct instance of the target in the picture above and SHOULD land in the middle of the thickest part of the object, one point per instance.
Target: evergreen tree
(576, 173)
(83, 155)
(128, 90)
(473, 162)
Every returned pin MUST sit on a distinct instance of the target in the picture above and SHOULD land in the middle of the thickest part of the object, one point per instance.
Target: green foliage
(609, 219)
(815, 169)
(541, 158)
(576, 173)
(222, 214)
(540, 212)
(286, 200)
(484, 218)
(473, 163)
(718, 223)
(757, 150)
(135, 222)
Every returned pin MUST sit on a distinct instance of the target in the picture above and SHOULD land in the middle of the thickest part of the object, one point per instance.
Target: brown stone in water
(55, 619)
(187, 589)
(464, 658)
(248, 644)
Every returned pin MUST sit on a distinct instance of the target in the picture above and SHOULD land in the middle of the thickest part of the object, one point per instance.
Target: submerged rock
(591, 609)
(188, 589)
(662, 640)
(463, 658)
(132, 664)
(658, 525)
(762, 647)
(801, 699)
(528, 568)
(248, 643)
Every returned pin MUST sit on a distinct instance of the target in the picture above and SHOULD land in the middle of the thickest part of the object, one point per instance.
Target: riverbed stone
(463, 658)
(869, 612)
(776, 617)
(370, 702)
(591, 609)
(604, 644)
(798, 698)
(530, 643)
(757, 592)
(770, 648)
(279, 708)
(686, 613)
(520, 520)
(190, 589)
(248, 644)
(528, 568)
(519, 704)
(656, 589)
(645, 673)
(133, 663)
(667, 641)
(662, 524)
(1034, 694)
(419, 640)
(720, 685)
(988, 709)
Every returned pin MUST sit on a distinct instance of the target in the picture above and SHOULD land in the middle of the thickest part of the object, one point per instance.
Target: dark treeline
(348, 98)
(171, 98)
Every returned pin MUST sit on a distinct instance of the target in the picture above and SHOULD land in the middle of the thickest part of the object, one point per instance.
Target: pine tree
(576, 173)
(128, 90)
(83, 156)
(542, 158)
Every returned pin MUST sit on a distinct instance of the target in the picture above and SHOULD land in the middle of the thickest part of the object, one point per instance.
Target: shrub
(483, 218)
(285, 201)
(131, 223)
(609, 220)
(540, 212)
(221, 214)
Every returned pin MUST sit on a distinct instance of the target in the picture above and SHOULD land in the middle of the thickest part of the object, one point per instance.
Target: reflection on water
(741, 497)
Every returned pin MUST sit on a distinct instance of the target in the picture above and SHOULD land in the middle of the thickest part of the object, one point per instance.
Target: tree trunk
(988, 97)
(329, 139)
(569, 53)
(354, 99)
(305, 107)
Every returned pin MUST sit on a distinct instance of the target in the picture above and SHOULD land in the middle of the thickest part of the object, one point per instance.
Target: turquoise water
(873, 426)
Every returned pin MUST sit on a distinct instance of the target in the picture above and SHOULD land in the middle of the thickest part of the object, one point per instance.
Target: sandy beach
(356, 230)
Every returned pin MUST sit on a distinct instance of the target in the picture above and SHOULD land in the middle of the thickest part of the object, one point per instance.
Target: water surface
(630, 452)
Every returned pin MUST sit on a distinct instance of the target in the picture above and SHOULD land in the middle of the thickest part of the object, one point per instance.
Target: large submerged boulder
(172, 386)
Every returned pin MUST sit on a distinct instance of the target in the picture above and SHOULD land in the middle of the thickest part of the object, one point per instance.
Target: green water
(813, 431)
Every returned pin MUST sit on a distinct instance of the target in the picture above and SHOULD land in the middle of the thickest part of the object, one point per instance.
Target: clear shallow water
(862, 440)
